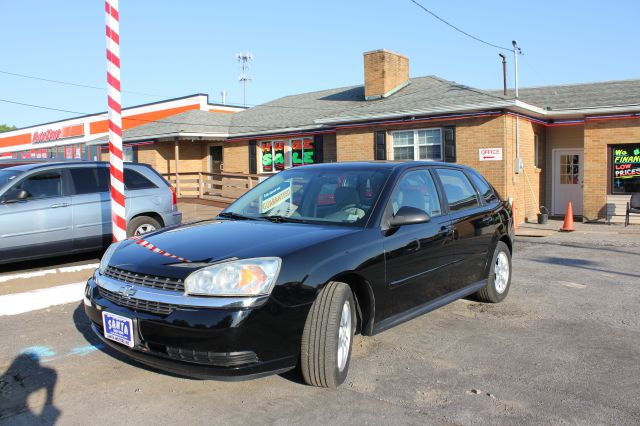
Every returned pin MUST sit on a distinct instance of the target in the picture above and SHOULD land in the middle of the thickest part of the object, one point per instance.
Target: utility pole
(244, 78)
(517, 51)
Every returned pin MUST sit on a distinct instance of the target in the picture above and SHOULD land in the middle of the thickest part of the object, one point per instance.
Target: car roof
(39, 165)
(383, 165)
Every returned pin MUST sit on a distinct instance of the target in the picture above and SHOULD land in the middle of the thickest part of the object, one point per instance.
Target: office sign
(490, 154)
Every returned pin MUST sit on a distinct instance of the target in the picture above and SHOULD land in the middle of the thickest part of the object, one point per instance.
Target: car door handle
(57, 206)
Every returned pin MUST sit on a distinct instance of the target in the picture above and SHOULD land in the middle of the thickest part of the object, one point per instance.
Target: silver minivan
(49, 209)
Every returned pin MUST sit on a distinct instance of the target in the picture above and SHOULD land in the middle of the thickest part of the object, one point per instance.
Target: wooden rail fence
(223, 187)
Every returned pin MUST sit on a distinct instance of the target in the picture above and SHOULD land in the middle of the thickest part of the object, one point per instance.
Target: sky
(177, 48)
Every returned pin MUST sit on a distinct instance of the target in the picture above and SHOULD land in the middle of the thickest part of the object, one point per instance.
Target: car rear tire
(499, 280)
(141, 225)
(327, 338)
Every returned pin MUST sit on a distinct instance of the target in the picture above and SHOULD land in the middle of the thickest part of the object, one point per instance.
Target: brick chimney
(385, 72)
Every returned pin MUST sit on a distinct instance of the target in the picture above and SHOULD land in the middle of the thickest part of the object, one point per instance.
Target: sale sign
(490, 154)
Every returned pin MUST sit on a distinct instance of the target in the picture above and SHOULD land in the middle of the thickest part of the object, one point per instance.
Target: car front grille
(221, 359)
(137, 304)
(151, 281)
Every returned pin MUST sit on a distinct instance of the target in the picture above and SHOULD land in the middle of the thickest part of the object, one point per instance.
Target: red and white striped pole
(118, 220)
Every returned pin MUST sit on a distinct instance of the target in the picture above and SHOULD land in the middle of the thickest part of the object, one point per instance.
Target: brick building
(554, 144)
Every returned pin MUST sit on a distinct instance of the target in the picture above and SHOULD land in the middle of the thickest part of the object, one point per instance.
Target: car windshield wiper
(280, 219)
(237, 216)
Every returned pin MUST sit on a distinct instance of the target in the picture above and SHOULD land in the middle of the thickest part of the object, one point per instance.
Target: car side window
(485, 190)
(90, 180)
(42, 185)
(134, 180)
(416, 189)
(459, 192)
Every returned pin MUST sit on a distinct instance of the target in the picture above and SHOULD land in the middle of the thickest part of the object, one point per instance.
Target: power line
(88, 86)
(138, 119)
(458, 29)
(68, 83)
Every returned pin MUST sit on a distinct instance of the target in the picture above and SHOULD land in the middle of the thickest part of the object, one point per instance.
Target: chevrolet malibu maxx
(288, 273)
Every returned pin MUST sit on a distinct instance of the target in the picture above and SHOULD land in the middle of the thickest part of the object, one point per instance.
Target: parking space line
(64, 269)
(20, 303)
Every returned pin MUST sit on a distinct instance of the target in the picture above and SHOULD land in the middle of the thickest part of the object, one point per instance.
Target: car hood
(175, 252)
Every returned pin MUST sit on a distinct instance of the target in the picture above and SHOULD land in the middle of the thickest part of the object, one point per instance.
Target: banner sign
(267, 157)
(490, 154)
(275, 197)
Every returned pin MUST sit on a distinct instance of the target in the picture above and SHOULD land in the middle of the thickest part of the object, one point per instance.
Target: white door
(567, 180)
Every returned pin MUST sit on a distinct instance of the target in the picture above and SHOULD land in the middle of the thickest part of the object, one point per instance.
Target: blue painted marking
(38, 352)
(84, 350)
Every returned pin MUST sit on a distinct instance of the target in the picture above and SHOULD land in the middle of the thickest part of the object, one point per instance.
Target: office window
(420, 144)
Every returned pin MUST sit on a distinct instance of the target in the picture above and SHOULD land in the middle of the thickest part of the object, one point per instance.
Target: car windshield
(310, 194)
(7, 176)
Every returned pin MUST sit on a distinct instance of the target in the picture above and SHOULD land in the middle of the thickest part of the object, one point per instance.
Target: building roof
(192, 122)
(580, 96)
(309, 110)
(428, 95)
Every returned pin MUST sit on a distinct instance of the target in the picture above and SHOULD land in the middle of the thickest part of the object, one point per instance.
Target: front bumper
(224, 343)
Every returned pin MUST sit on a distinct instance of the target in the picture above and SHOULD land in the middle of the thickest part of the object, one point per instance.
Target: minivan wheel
(141, 225)
(499, 279)
(327, 338)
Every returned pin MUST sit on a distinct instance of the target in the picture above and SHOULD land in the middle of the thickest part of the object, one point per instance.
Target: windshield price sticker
(275, 197)
(490, 154)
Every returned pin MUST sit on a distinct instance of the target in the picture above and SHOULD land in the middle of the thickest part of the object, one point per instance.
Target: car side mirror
(15, 195)
(408, 215)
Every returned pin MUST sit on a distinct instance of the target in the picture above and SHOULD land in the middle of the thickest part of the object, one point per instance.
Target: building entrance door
(568, 181)
(215, 159)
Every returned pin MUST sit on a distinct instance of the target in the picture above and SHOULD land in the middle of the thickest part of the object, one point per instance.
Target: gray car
(49, 209)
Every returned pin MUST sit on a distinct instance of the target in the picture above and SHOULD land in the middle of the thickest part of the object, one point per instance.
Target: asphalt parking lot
(563, 348)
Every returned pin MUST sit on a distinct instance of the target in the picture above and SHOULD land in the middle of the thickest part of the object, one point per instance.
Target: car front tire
(499, 280)
(327, 338)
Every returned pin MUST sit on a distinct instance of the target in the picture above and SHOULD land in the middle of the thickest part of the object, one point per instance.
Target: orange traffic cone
(568, 220)
(515, 217)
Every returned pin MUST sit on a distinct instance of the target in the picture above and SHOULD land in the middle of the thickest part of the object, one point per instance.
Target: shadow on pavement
(51, 262)
(24, 377)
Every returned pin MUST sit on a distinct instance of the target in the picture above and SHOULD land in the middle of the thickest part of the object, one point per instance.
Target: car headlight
(247, 277)
(104, 262)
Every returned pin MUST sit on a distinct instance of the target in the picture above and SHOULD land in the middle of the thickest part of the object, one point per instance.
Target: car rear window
(90, 180)
(135, 180)
(485, 190)
(460, 193)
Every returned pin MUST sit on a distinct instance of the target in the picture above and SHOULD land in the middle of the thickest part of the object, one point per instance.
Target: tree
(6, 128)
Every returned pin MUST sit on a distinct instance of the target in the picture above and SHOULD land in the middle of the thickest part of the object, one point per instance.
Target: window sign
(625, 168)
(267, 157)
(278, 155)
(302, 152)
(279, 198)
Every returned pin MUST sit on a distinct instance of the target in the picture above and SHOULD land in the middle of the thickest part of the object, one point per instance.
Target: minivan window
(42, 185)
(90, 180)
(134, 180)
(483, 187)
(459, 191)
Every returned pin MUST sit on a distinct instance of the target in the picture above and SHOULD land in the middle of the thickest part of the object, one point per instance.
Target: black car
(290, 271)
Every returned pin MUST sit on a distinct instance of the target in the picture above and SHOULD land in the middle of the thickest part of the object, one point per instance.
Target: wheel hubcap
(344, 335)
(143, 229)
(501, 272)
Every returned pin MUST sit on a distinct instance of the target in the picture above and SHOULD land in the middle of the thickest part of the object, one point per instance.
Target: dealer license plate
(118, 328)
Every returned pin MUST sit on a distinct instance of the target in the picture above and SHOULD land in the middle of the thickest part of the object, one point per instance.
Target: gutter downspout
(516, 52)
